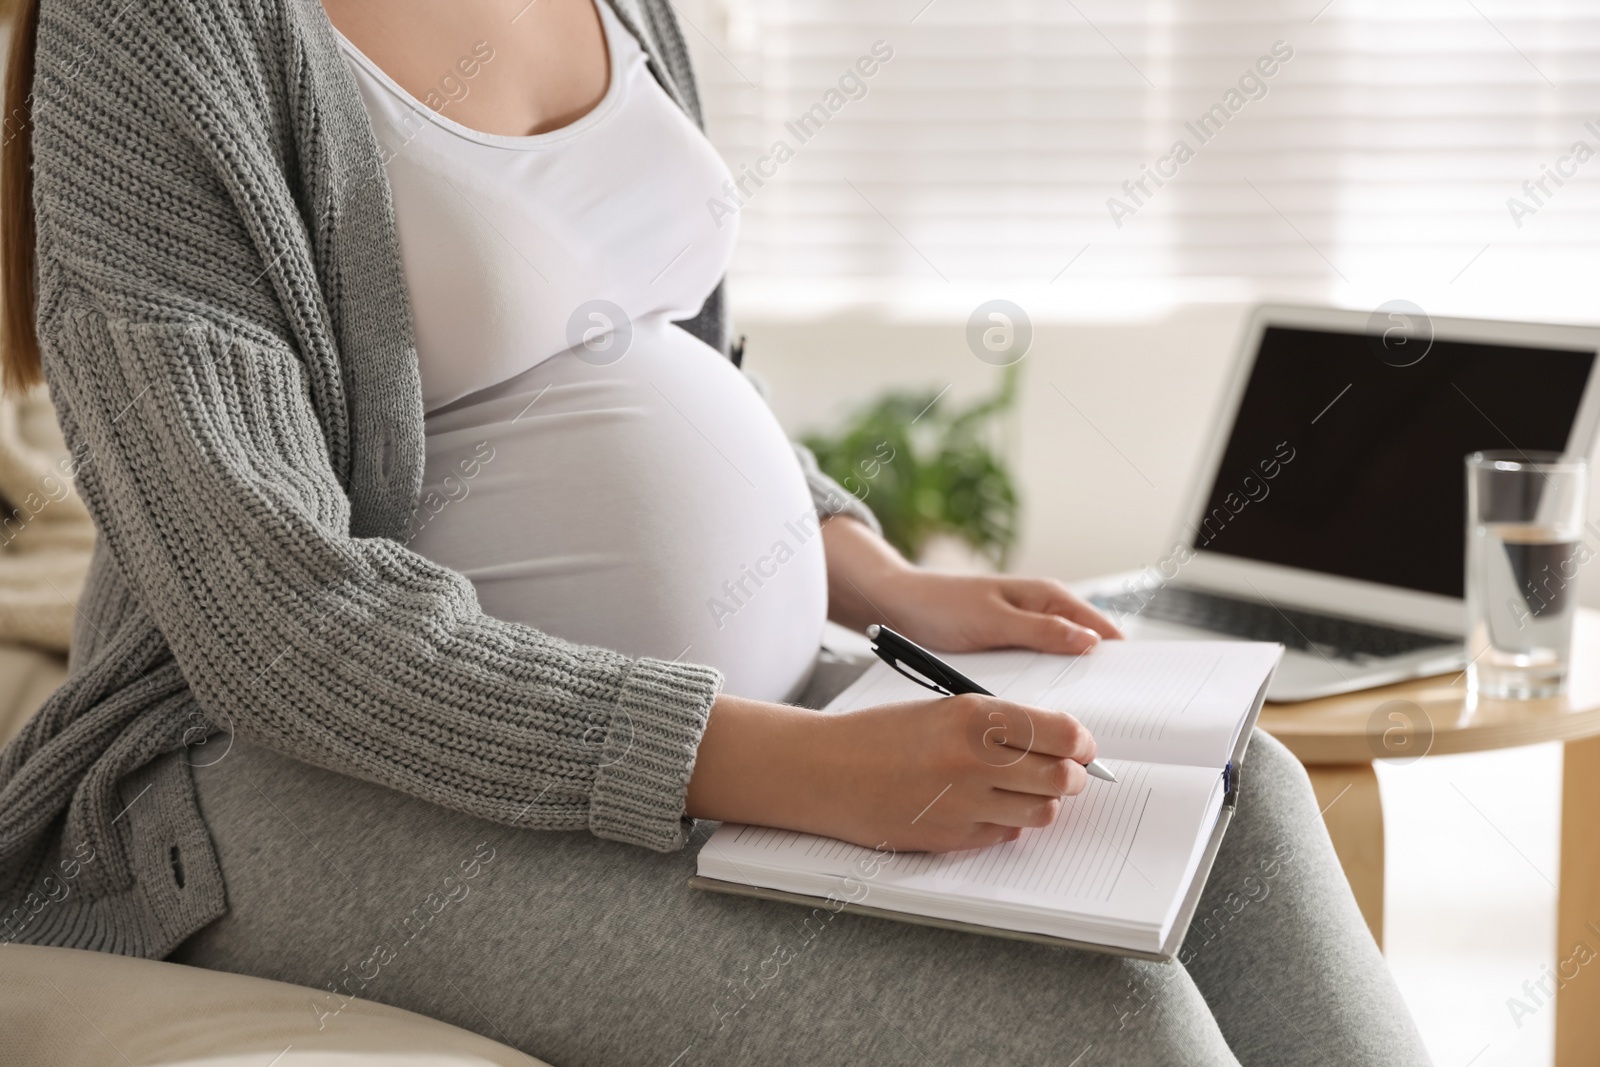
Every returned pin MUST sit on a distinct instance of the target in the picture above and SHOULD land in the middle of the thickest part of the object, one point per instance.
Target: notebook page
(1118, 855)
(1153, 701)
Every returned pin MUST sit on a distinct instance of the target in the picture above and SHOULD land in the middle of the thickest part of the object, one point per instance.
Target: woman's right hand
(924, 775)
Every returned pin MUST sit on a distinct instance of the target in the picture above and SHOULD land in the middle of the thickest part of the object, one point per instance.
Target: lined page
(1155, 701)
(1082, 856)
(1119, 852)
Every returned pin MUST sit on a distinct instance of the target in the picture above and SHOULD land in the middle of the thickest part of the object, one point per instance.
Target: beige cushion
(27, 677)
(45, 533)
(65, 1008)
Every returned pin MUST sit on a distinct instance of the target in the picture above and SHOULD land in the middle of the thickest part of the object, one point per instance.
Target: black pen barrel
(926, 663)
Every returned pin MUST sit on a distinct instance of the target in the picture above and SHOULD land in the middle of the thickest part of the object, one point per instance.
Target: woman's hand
(868, 582)
(925, 775)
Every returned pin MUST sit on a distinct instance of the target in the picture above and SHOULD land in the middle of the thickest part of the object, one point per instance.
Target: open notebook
(1121, 868)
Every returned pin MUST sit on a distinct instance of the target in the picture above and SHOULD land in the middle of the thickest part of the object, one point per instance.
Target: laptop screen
(1342, 463)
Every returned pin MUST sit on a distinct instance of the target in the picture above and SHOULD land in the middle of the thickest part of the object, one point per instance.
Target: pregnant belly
(652, 506)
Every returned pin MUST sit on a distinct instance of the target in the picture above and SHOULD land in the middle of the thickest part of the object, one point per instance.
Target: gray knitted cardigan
(228, 343)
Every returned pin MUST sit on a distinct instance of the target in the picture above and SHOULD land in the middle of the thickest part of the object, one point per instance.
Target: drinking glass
(1525, 514)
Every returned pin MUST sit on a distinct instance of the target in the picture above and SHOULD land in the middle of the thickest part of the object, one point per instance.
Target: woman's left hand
(967, 613)
(869, 582)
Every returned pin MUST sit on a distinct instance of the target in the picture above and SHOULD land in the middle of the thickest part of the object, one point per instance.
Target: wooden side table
(1337, 738)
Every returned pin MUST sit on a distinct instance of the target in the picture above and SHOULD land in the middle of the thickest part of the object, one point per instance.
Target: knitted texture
(228, 343)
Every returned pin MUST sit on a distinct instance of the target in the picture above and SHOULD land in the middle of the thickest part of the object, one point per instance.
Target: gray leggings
(589, 953)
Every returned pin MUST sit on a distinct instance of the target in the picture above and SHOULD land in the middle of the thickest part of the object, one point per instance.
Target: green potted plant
(930, 469)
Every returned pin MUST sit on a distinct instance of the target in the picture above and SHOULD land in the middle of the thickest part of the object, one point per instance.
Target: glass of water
(1525, 513)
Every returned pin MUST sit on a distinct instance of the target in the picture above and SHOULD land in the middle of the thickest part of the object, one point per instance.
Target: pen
(928, 670)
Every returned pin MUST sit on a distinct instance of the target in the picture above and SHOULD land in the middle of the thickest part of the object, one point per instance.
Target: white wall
(1102, 485)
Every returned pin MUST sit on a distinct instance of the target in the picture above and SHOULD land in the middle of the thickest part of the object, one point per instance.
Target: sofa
(62, 1007)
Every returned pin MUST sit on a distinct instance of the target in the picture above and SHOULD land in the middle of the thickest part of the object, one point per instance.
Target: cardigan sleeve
(829, 496)
(177, 356)
(205, 469)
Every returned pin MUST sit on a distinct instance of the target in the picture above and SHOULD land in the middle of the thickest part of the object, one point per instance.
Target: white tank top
(594, 470)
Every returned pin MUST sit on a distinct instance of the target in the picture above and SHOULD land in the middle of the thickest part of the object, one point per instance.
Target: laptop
(1329, 512)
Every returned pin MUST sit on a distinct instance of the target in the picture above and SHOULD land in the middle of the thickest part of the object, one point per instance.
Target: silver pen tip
(1100, 771)
(872, 631)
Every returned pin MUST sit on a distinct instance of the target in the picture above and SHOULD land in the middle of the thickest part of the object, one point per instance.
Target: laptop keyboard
(1253, 620)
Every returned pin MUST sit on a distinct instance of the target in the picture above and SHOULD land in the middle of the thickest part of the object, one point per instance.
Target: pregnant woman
(449, 570)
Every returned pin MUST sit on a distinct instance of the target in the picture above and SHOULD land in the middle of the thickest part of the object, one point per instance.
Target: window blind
(1091, 157)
